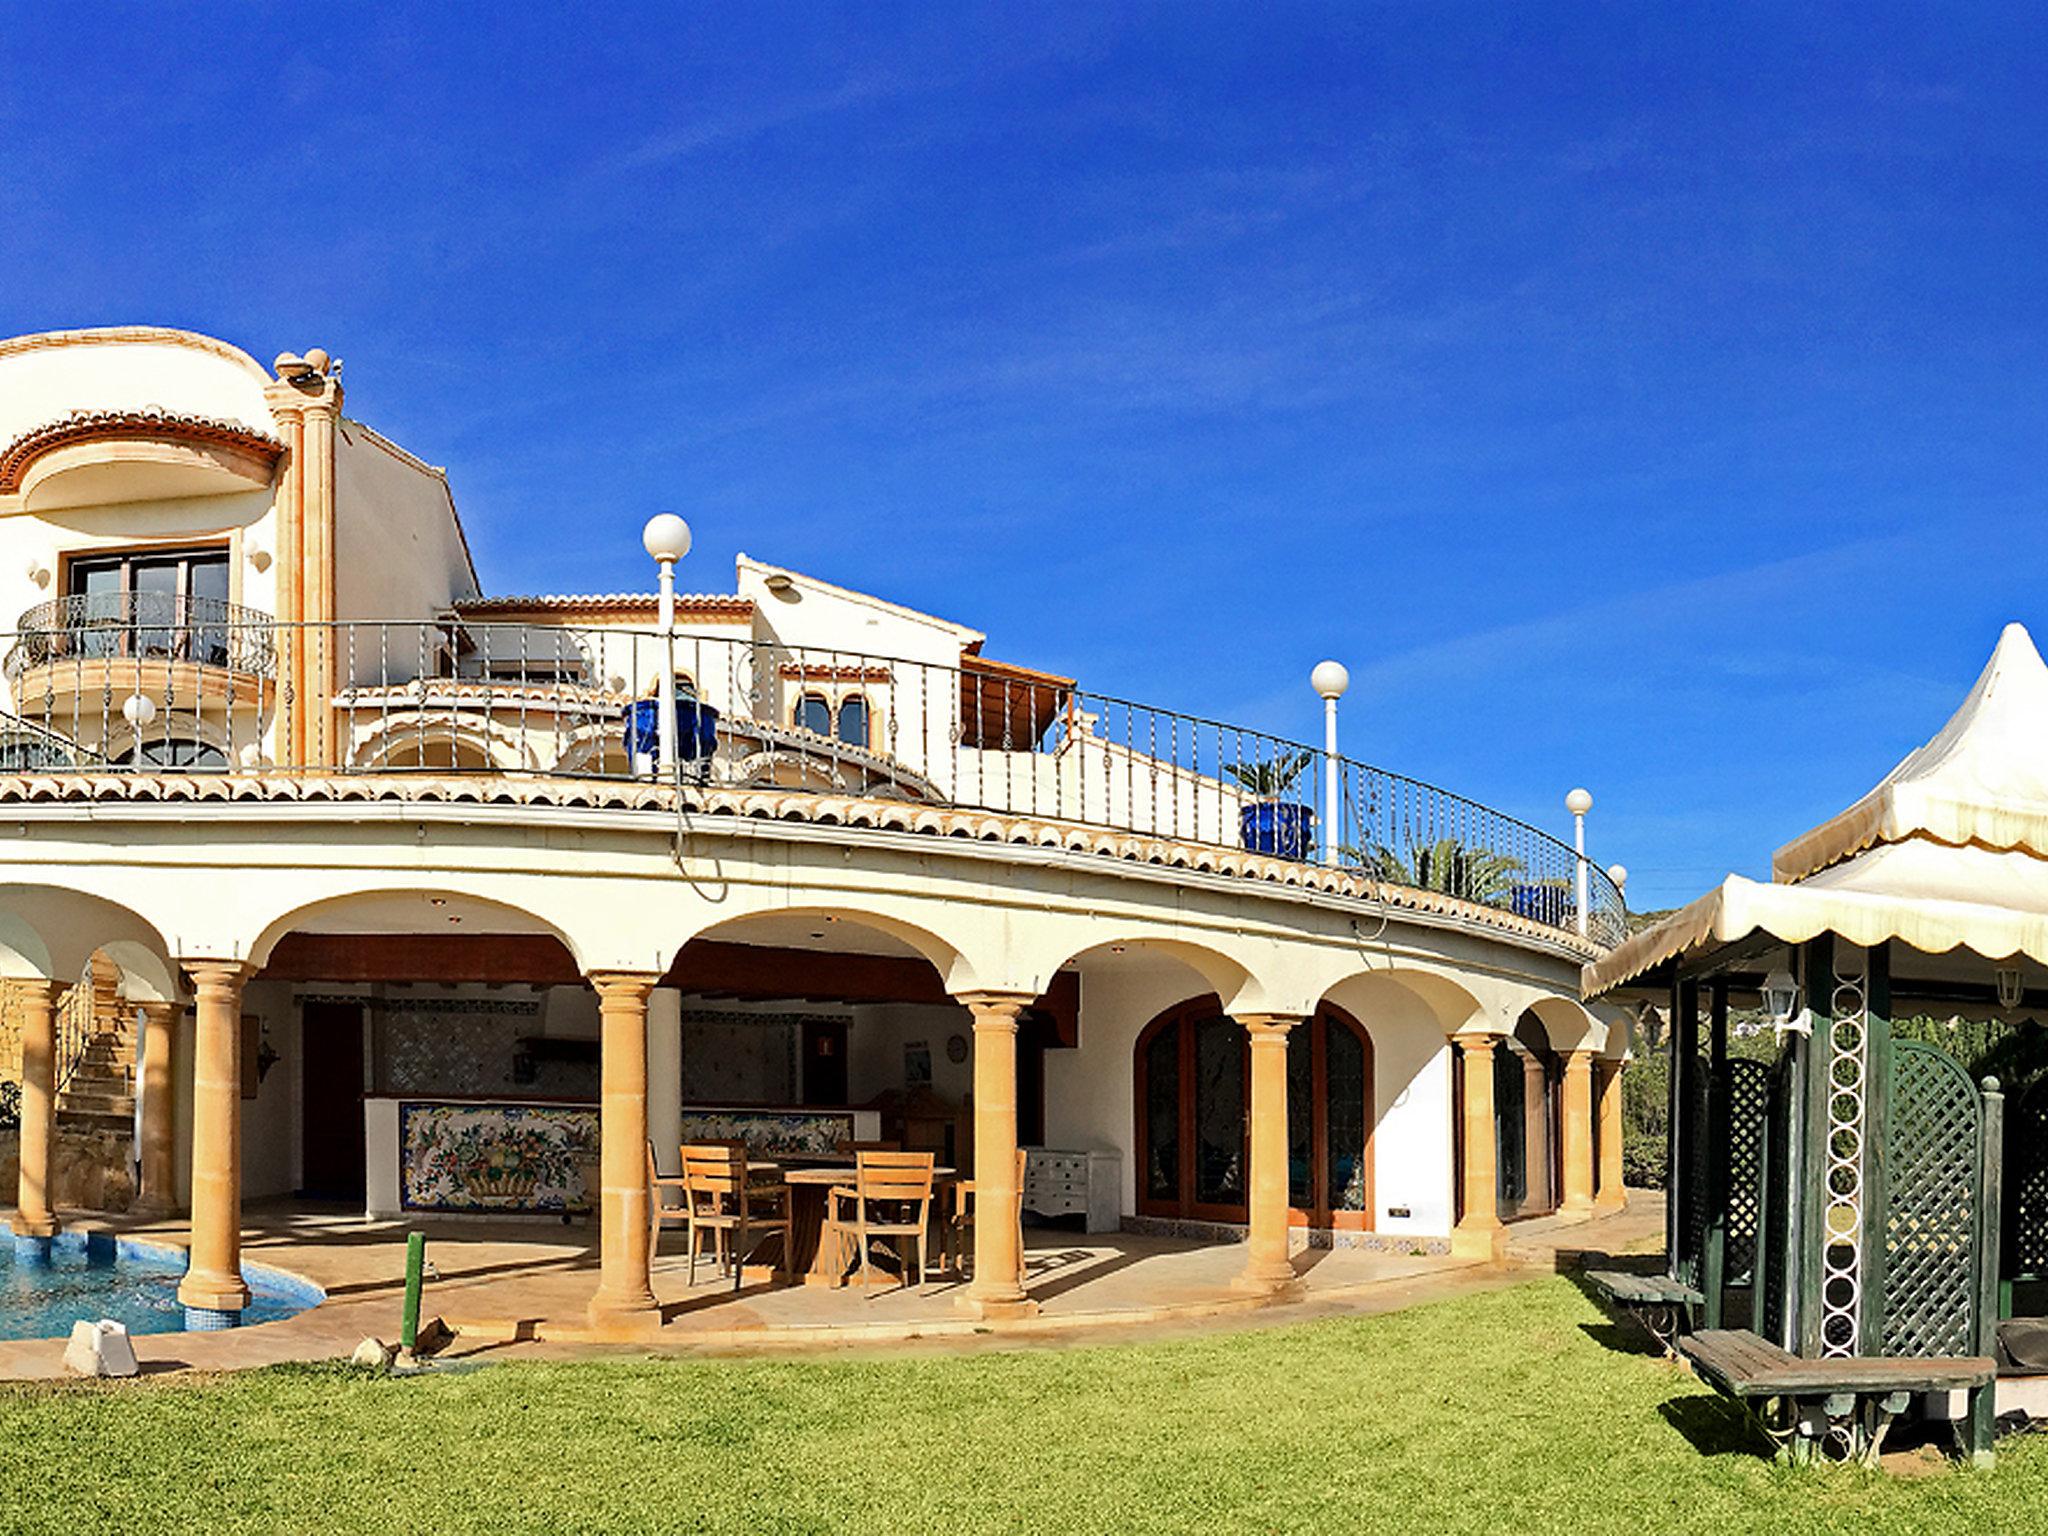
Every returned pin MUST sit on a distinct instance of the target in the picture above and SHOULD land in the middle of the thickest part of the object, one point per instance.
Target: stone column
(35, 1218)
(997, 1289)
(1578, 1133)
(665, 1078)
(213, 1291)
(158, 1195)
(1536, 1135)
(624, 1302)
(1266, 1266)
(323, 646)
(1610, 1197)
(1479, 1233)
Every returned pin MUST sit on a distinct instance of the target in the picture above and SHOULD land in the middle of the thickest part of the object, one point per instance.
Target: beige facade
(900, 878)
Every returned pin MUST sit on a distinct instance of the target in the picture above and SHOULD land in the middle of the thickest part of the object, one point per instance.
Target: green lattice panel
(1694, 1237)
(1931, 1197)
(2025, 1239)
(1747, 1086)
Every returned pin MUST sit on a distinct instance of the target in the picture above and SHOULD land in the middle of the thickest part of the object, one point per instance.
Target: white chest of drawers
(1084, 1184)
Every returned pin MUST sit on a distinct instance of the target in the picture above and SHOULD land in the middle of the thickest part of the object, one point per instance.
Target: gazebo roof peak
(1982, 781)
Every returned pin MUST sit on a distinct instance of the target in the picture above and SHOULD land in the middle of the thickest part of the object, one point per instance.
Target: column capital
(207, 971)
(1580, 1060)
(995, 1010)
(35, 987)
(1479, 1042)
(1272, 1027)
(635, 985)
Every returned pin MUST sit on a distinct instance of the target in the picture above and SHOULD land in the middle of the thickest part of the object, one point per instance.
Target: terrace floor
(520, 1290)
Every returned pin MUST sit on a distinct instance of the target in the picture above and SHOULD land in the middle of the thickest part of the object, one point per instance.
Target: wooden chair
(658, 1214)
(886, 1188)
(721, 1198)
(960, 1226)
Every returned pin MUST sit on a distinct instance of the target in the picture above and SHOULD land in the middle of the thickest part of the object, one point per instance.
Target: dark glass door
(1193, 1085)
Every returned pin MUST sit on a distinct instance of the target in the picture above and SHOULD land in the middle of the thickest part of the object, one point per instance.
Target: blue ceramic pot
(696, 729)
(1279, 828)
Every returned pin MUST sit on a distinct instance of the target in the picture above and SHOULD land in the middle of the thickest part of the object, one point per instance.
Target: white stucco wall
(46, 377)
(398, 549)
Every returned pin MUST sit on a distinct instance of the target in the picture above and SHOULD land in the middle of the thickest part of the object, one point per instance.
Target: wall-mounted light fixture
(38, 571)
(2011, 987)
(1781, 996)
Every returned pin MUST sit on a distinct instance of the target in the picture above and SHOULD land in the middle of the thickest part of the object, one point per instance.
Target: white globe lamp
(1330, 679)
(666, 537)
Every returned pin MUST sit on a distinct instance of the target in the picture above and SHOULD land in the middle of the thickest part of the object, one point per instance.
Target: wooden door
(331, 1119)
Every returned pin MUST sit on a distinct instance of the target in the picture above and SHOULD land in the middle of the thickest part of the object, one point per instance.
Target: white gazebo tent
(1849, 1190)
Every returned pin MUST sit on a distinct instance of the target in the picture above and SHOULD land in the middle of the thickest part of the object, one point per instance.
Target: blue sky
(1648, 397)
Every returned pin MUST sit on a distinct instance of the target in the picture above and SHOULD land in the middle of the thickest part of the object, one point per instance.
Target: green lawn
(1497, 1412)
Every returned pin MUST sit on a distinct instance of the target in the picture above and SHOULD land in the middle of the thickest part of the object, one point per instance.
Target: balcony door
(169, 604)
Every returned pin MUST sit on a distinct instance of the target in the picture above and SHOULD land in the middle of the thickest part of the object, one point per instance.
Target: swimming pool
(93, 1275)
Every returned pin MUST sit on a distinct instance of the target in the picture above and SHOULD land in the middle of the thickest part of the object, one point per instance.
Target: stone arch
(956, 970)
(429, 739)
(51, 933)
(1567, 1025)
(388, 909)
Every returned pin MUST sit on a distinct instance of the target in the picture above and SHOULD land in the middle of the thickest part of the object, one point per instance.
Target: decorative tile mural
(769, 1133)
(494, 1157)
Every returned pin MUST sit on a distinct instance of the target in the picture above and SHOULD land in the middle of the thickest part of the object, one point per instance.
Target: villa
(327, 874)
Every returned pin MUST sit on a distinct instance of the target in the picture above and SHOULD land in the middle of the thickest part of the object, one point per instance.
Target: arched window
(1193, 1073)
(813, 713)
(853, 719)
(175, 754)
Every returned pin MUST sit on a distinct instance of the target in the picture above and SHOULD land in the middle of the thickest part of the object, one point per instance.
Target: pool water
(95, 1275)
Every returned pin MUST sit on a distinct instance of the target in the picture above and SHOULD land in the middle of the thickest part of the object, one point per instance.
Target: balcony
(75, 661)
(1010, 754)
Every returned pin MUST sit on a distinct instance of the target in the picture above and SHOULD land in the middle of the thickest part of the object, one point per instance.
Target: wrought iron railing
(154, 626)
(453, 697)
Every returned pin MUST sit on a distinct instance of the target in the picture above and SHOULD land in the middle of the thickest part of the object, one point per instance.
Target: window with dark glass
(814, 713)
(853, 720)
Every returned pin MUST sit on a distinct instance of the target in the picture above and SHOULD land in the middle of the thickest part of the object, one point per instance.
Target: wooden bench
(1801, 1403)
(1663, 1305)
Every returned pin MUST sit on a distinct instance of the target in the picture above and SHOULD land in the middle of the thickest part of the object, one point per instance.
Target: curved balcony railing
(152, 626)
(451, 697)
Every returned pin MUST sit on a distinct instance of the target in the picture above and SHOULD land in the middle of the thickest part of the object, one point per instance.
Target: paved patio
(520, 1289)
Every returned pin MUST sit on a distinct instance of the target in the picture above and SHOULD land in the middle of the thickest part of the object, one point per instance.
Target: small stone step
(75, 1103)
(94, 1082)
(78, 1121)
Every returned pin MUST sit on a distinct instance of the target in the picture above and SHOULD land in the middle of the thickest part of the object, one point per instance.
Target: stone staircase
(99, 1093)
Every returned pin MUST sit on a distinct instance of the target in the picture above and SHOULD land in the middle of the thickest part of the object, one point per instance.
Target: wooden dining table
(818, 1256)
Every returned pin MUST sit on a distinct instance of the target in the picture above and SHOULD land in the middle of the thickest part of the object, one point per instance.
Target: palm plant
(1449, 866)
(1273, 778)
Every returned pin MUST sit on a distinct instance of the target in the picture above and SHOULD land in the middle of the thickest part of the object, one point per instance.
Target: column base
(1270, 1283)
(628, 1317)
(212, 1293)
(1479, 1242)
(38, 1227)
(1576, 1210)
(997, 1309)
(212, 1319)
(1610, 1205)
(32, 1250)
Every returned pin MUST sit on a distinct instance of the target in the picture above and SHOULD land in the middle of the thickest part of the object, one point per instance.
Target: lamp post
(667, 538)
(1330, 679)
(1578, 802)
